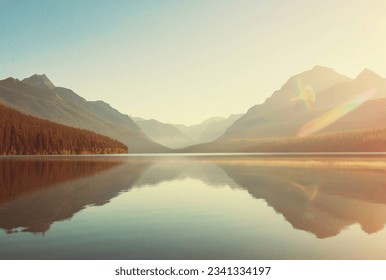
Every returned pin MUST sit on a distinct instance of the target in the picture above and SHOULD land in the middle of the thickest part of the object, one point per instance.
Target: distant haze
(186, 61)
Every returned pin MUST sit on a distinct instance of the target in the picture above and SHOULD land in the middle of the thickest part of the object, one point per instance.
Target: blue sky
(185, 61)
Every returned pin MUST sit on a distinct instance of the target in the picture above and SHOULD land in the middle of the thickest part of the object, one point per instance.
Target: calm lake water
(193, 207)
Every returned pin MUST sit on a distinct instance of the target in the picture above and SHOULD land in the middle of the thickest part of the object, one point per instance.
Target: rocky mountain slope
(37, 96)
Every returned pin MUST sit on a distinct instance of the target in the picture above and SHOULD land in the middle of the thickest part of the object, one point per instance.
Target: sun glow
(333, 115)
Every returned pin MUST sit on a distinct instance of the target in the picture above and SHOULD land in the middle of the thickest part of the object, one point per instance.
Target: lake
(193, 207)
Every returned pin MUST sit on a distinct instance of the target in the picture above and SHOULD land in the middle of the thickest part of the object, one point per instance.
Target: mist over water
(193, 207)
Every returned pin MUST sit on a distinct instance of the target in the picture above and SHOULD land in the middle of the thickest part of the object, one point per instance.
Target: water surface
(193, 207)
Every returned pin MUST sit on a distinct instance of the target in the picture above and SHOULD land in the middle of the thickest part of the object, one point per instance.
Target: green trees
(22, 134)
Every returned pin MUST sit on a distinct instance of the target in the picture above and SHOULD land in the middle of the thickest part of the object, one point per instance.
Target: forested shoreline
(21, 134)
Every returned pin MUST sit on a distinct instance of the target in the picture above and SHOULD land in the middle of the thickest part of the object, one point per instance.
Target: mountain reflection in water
(39, 191)
(319, 200)
(315, 195)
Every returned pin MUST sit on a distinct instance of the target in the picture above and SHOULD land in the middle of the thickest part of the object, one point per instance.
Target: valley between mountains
(318, 110)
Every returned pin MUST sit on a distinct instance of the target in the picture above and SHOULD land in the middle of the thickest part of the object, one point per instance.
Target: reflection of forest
(318, 200)
(19, 176)
(37, 192)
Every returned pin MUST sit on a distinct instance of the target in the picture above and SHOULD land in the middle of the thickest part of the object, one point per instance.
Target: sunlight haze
(186, 61)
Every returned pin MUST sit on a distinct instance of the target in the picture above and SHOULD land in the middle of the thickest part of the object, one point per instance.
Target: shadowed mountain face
(37, 96)
(322, 196)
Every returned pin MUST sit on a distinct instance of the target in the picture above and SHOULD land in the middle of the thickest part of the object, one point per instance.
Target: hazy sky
(184, 61)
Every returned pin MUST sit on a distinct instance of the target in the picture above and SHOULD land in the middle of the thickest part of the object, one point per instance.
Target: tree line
(21, 134)
(365, 140)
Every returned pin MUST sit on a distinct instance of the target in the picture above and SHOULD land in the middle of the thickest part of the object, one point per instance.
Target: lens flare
(309, 191)
(332, 116)
(305, 93)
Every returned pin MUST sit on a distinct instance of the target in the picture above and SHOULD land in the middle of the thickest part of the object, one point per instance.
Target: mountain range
(316, 110)
(164, 133)
(306, 97)
(210, 129)
(39, 97)
(179, 135)
(308, 107)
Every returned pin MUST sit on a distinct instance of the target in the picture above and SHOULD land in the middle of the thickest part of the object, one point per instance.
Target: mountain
(283, 112)
(37, 96)
(39, 81)
(195, 131)
(217, 128)
(178, 136)
(163, 133)
(21, 134)
(312, 103)
(343, 93)
(209, 129)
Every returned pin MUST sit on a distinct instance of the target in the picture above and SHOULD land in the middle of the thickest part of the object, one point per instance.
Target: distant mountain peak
(321, 68)
(39, 81)
(368, 75)
(319, 78)
(10, 82)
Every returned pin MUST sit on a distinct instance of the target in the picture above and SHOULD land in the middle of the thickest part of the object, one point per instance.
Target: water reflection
(312, 197)
(319, 200)
(36, 192)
